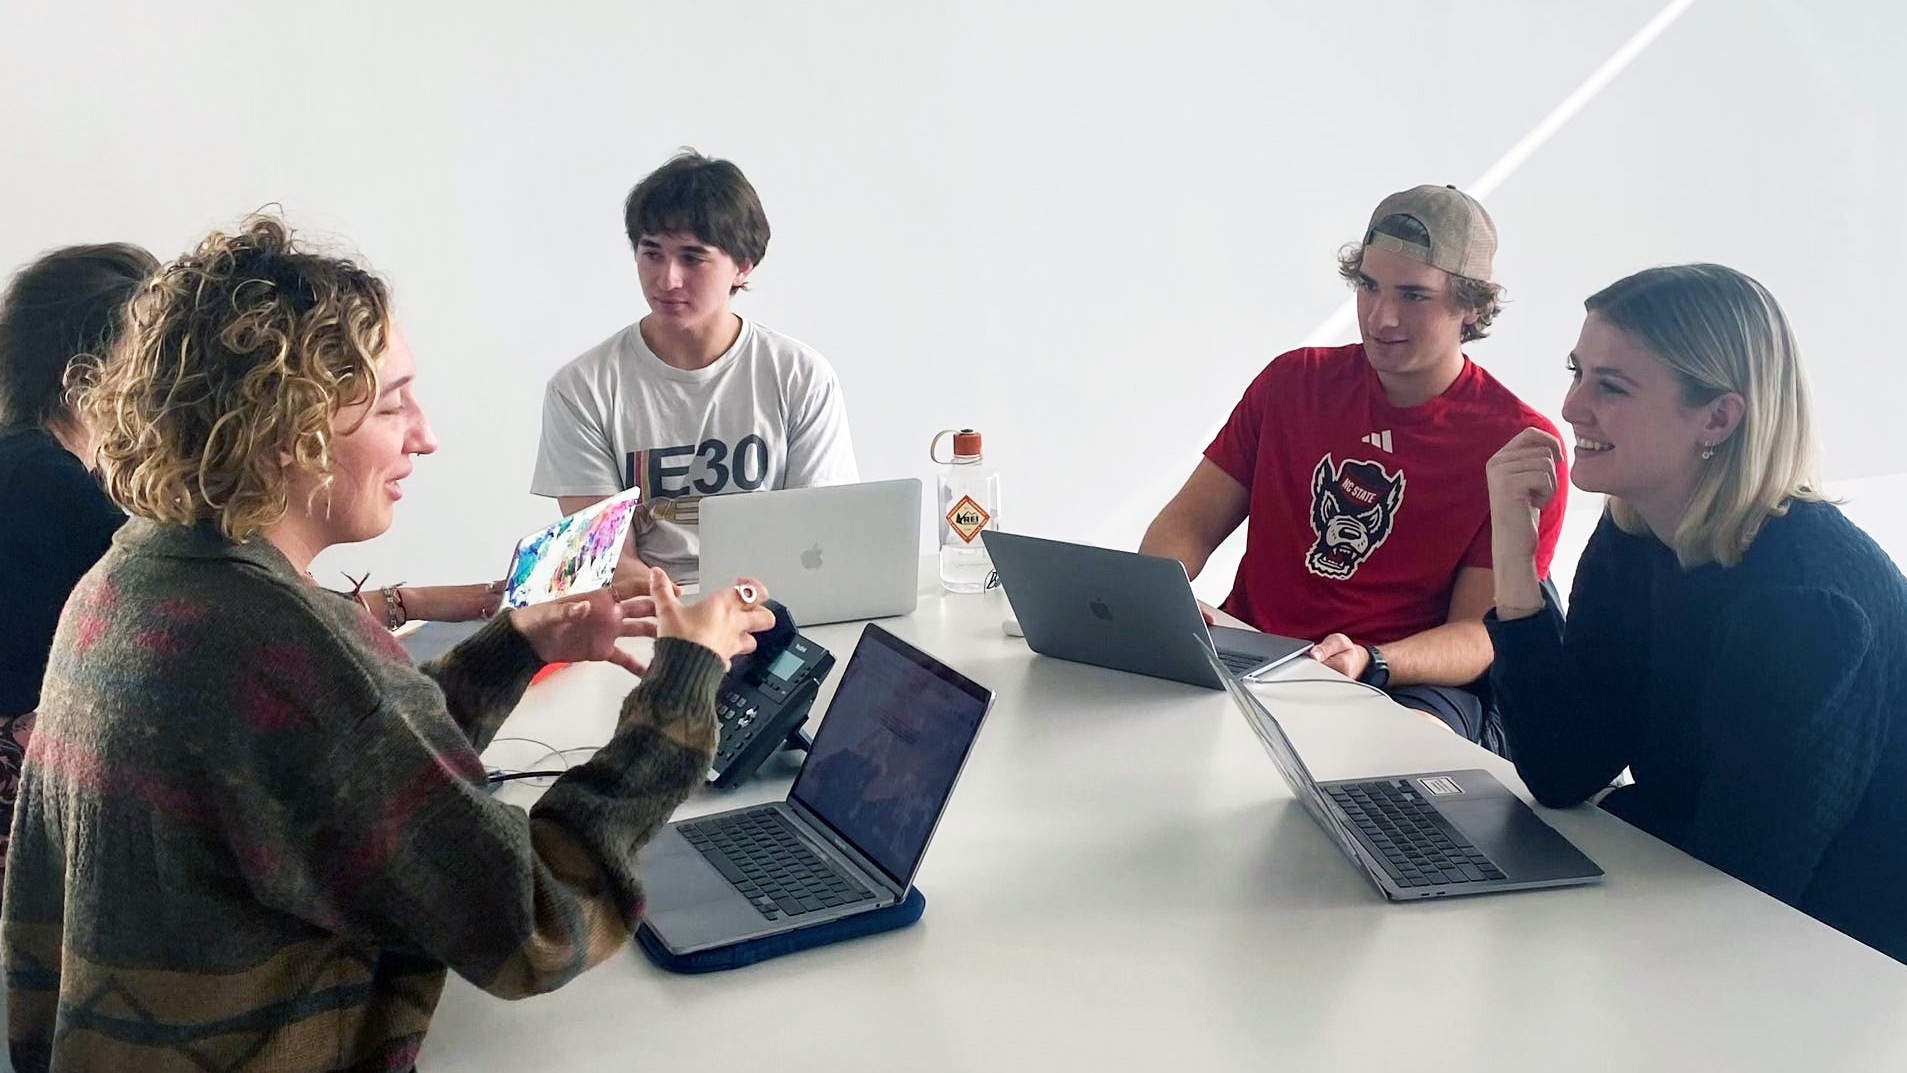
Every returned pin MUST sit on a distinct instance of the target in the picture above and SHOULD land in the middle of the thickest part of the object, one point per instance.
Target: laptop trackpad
(687, 901)
(1512, 836)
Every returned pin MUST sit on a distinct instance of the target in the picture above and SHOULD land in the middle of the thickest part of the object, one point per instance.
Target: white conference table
(1122, 881)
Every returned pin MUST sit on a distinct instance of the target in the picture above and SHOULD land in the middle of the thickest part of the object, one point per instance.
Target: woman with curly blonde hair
(243, 811)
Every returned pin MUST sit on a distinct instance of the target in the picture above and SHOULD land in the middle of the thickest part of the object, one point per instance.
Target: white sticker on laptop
(1441, 785)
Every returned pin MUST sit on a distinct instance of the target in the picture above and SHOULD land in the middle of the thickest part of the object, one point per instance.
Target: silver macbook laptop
(833, 553)
(1123, 610)
(850, 835)
(1426, 835)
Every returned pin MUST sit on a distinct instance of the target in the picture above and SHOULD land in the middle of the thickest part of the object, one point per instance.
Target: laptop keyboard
(759, 852)
(1239, 662)
(1416, 849)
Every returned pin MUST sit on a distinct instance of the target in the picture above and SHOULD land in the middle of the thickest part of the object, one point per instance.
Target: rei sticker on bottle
(967, 518)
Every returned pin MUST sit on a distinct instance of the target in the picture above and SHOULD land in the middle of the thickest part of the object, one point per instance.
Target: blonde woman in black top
(1731, 639)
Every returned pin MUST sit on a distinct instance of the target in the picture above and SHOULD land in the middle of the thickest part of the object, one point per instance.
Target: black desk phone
(765, 699)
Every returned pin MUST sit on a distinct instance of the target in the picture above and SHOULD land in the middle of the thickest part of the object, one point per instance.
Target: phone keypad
(737, 715)
(756, 708)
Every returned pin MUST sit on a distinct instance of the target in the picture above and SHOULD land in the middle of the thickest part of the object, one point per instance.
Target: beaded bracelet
(395, 614)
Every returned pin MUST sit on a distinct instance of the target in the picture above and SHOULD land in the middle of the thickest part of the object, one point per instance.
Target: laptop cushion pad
(736, 955)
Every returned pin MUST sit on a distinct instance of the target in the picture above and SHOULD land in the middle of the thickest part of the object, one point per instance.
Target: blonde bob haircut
(235, 361)
(1719, 331)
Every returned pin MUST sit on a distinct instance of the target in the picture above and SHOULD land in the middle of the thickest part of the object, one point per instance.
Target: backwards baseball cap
(1462, 240)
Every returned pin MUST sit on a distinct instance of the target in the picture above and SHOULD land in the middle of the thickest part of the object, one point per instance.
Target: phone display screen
(785, 665)
(576, 554)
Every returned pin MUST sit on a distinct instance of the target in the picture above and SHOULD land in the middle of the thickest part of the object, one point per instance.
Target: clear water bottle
(969, 503)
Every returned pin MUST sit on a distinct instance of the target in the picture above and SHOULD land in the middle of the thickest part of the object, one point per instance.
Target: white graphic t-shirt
(767, 414)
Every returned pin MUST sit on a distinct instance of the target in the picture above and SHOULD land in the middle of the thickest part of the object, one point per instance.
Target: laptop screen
(886, 756)
(1290, 764)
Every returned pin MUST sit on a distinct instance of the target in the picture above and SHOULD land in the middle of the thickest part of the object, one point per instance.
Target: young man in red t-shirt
(1361, 470)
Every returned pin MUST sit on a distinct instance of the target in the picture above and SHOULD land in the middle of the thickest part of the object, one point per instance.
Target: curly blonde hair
(235, 362)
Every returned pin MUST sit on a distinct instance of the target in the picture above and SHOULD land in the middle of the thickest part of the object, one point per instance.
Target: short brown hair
(1481, 295)
(236, 359)
(62, 311)
(710, 199)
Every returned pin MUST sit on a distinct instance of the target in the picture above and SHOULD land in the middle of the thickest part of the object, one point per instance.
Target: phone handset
(765, 698)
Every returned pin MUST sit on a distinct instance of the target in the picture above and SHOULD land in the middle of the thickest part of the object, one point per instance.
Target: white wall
(1078, 227)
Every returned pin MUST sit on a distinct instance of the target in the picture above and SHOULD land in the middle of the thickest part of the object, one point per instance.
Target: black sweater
(1762, 709)
(55, 523)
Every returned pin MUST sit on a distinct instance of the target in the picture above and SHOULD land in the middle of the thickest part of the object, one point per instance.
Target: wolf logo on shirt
(1352, 508)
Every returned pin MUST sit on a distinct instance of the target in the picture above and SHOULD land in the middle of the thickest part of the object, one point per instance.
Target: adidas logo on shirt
(1379, 440)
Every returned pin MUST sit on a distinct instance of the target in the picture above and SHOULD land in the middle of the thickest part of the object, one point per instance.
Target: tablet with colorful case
(576, 554)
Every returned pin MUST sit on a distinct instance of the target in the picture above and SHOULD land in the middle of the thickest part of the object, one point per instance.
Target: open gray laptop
(1426, 835)
(850, 835)
(1123, 610)
(832, 553)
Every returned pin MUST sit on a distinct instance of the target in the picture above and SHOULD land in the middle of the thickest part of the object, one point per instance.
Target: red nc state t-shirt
(1363, 512)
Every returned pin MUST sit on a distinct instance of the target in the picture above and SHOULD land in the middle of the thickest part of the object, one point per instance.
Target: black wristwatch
(1378, 671)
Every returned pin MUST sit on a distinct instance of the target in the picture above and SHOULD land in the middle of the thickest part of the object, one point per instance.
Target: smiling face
(1412, 328)
(687, 281)
(371, 454)
(1636, 436)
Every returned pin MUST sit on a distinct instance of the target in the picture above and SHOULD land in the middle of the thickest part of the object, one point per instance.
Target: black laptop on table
(1123, 610)
(850, 836)
(1426, 835)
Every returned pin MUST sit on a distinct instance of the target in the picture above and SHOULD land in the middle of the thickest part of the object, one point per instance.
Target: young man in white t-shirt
(693, 399)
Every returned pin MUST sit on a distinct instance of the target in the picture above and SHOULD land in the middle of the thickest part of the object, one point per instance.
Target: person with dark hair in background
(1358, 468)
(1732, 639)
(693, 399)
(58, 315)
(250, 835)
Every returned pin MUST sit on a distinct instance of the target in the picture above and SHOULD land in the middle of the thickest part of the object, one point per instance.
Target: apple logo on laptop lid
(811, 559)
(1101, 610)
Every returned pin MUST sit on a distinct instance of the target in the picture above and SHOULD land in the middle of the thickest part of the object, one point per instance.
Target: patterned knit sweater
(250, 836)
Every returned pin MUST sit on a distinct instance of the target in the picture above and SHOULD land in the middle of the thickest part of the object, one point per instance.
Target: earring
(1708, 451)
